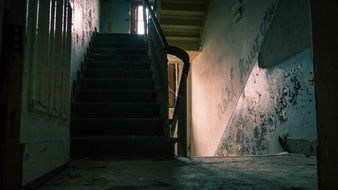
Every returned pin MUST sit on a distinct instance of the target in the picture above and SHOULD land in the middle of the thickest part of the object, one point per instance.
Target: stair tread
(120, 70)
(119, 79)
(105, 103)
(95, 50)
(129, 91)
(114, 118)
(119, 61)
(115, 110)
(116, 137)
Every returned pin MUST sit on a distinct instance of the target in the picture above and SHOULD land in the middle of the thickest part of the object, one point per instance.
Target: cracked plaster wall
(238, 108)
(86, 16)
(276, 101)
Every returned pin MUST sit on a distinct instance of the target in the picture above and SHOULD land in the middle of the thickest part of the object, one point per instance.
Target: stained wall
(277, 101)
(239, 108)
(86, 17)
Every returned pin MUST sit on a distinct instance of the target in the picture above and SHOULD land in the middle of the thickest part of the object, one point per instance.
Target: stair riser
(117, 84)
(118, 45)
(116, 97)
(118, 58)
(115, 35)
(115, 110)
(117, 127)
(102, 74)
(119, 51)
(118, 147)
(118, 65)
(120, 38)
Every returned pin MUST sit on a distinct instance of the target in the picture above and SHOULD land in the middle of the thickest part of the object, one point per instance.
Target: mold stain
(263, 113)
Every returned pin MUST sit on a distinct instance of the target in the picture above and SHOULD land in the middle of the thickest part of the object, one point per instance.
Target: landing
(272, 172)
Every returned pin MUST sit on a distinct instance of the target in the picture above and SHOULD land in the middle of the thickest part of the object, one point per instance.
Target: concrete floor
(286, 171)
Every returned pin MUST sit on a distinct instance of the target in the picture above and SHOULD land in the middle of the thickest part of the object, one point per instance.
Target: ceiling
(184, 22)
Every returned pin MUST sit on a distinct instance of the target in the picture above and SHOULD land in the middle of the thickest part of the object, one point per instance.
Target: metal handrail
(153, 18)
(180, 103)
(183, 55)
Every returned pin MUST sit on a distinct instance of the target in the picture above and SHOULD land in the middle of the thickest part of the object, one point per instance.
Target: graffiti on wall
(245, 63)
(226, 97)
(279, 101)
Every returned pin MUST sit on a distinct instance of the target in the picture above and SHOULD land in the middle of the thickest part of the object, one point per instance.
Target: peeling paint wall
(86, 16)
(219, 73)
(239, 108)
(276, 101)
(279, 100)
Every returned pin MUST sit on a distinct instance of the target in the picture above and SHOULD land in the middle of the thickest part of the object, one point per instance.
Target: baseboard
(36, 183)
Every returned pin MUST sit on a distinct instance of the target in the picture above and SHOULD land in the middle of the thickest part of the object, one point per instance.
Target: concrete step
(117, 74)
(116, 126)
(114, 39)
(125, 65)
(116, 96)
(127, 146)
(119, 51)
(119, 36)
(116, 110)
(119, 44)
(125, 84)
(100, 57)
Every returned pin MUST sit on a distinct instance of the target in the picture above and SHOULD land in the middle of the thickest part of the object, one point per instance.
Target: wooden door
(46, 88)
(35, 86)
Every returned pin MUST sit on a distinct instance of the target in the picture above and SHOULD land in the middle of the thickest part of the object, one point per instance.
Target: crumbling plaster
(278, 101)
(86, 17)
(231, 98)
(217, 77)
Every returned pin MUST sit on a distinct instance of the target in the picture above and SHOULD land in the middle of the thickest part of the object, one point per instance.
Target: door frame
(324, 41)
(12, 65)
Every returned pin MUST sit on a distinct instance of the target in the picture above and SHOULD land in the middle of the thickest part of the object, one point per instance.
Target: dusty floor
(287, 172)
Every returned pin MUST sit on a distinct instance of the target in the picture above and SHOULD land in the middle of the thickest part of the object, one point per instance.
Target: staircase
(115, 110)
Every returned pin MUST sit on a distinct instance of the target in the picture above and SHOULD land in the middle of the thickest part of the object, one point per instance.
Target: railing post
(145, 20)
(182, 122)
(158, 49)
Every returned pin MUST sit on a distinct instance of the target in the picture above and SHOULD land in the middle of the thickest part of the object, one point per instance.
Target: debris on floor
(287, 171)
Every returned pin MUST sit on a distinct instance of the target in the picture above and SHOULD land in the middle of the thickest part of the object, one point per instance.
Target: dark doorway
(12, 26)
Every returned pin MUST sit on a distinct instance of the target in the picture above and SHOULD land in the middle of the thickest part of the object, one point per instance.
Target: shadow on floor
(289, 171)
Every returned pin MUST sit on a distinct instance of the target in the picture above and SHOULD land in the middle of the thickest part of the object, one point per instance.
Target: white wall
(216, 79)
(238, 108)
(279, 99)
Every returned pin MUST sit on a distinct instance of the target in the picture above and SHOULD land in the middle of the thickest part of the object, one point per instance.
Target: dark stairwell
(115, 111)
